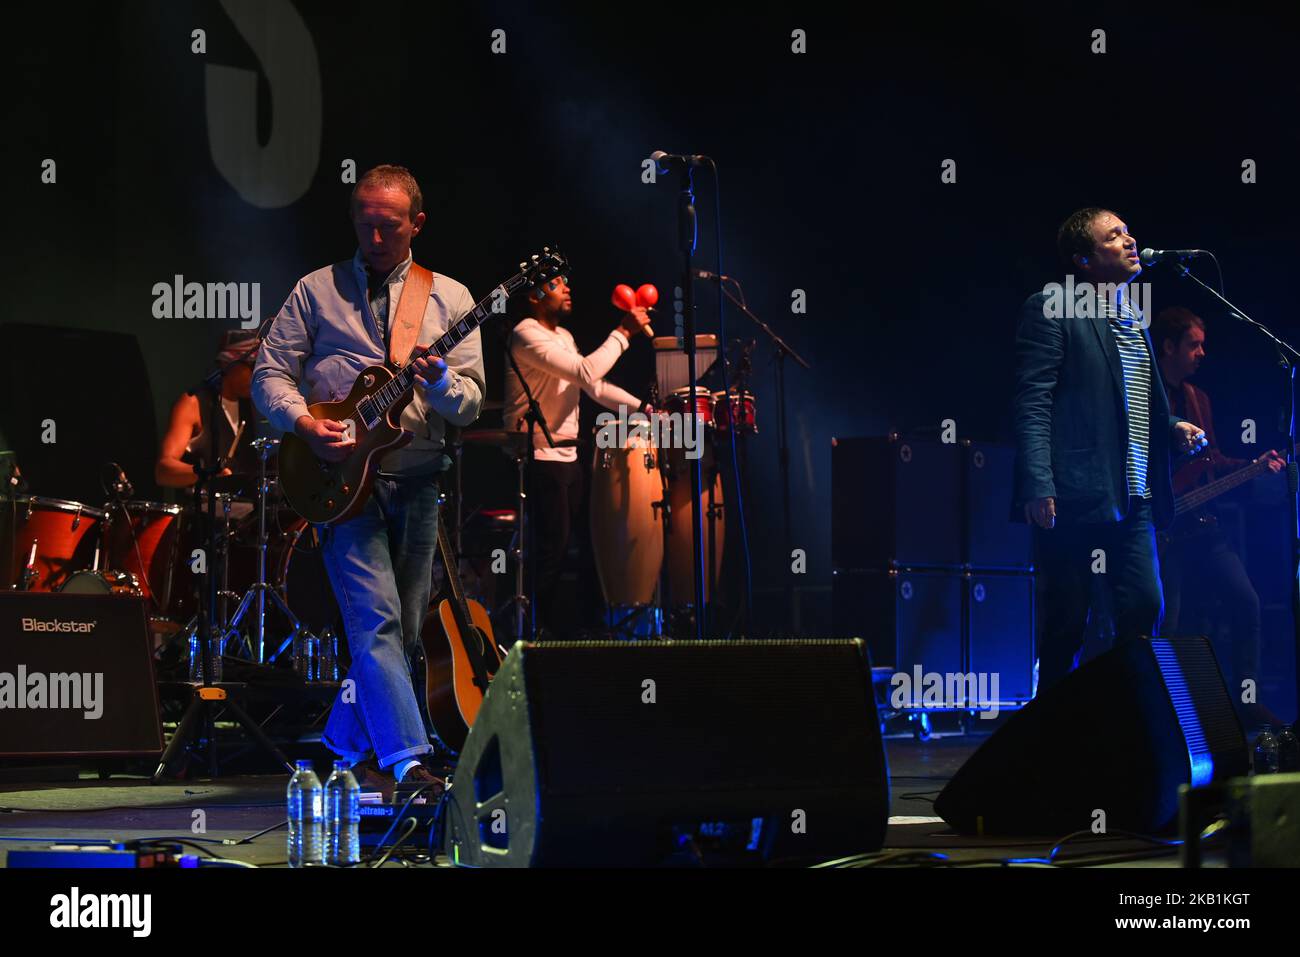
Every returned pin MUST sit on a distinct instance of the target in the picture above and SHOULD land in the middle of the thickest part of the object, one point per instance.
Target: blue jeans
(380, 564)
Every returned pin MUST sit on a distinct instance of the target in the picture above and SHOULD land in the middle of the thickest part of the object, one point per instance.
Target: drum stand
(218, 555)
(208, 698)
(261, 588)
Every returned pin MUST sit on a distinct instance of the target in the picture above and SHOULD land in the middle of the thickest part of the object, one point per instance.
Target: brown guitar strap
(405, 327)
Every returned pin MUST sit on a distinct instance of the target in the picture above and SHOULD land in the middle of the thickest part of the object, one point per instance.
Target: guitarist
(1196, 554)
(334, 324)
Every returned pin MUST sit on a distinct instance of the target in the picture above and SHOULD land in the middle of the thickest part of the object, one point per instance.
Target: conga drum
(626, 534)
(681, 579)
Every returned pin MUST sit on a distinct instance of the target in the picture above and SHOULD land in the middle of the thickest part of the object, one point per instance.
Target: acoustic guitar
(327, 492)
(460, 655)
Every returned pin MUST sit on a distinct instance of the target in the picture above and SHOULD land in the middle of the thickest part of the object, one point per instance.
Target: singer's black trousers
(1069, 556)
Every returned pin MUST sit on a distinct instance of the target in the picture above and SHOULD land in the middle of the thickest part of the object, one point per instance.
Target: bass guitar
(1188, 522)
(327, 492)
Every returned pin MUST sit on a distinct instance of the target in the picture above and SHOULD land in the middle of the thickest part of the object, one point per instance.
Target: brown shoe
(373, 779)
(417, 778)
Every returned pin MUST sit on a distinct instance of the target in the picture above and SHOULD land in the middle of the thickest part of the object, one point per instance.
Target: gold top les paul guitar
(327, 492)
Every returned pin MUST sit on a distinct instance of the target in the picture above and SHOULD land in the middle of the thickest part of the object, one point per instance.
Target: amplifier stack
(927, 566)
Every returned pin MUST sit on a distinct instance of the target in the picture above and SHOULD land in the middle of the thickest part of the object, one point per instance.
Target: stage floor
(124, 808)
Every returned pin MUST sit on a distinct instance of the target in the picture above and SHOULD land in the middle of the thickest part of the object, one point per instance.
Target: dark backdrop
(830, 171)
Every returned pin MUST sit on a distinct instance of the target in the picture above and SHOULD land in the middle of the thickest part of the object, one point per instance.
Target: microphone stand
(782, 434)
(1287, 358)
(524, 604)
(687, 241)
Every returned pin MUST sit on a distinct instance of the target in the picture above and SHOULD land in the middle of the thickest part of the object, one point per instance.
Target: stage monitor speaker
(619, 753)
(76, 677)
(1117, 736)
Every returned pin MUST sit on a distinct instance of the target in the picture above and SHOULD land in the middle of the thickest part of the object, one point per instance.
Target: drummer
(557, 373)
(189, 439)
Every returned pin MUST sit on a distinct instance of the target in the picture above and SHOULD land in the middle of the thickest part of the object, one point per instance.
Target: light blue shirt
(325, 335)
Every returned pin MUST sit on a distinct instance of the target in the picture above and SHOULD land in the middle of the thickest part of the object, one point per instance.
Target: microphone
(16, 481)
(709, 276)
(666, 161)
(1151, 257)
(626, 299)
(121, 485)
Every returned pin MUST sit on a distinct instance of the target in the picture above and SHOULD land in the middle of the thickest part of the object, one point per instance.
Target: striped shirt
(1136, 362)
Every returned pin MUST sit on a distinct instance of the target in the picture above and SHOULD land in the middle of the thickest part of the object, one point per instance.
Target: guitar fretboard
(1198, 497)
(374, 407)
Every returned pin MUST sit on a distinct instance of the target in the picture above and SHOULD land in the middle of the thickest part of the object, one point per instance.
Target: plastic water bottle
(342, 817)
(196, 661)
(306, 837)
(305, 655)
(329, 656)
(1288, 749)
(1266, 755)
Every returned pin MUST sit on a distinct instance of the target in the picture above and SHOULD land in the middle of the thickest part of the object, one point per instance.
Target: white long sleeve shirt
(558, 373)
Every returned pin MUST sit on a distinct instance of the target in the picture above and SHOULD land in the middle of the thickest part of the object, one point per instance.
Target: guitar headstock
(543, 267)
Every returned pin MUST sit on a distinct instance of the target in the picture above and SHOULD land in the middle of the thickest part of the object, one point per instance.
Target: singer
(1093, 440)
(557, 374)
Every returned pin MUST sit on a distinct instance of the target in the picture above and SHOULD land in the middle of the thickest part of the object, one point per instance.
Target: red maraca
(625, 299)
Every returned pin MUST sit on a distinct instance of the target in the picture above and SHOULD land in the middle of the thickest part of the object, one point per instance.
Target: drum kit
(266, 555)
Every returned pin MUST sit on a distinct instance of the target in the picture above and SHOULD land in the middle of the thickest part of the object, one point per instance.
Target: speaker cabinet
(992, 540)
(614, 753)
(907, 617)
(895, 501)
(76, 677)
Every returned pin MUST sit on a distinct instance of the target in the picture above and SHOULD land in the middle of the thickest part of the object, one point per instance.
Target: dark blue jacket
(1071, 422)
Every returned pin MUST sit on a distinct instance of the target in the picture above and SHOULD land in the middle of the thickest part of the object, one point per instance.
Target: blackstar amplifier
(76, 677)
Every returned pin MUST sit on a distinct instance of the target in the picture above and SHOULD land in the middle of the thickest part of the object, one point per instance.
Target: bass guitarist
(1196, 558)
(335, 324)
